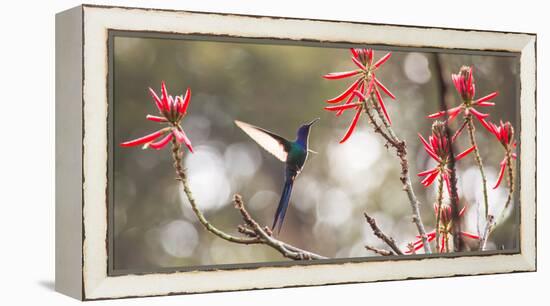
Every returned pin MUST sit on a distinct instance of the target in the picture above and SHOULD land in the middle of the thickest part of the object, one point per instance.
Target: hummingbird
(292, 153)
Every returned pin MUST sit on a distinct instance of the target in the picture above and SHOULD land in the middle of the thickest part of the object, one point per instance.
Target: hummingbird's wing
(271, 142)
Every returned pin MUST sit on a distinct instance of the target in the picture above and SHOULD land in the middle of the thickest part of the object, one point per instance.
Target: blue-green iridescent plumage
(293, 153)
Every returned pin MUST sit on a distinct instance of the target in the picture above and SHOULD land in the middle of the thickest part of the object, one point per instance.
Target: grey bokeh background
(278, 87)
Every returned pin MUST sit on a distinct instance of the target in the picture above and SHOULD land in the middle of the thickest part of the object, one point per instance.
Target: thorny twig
(479, 162)
(254, 233)
(379, 251)
(401, 151)
(265, 236)
(378, 233)
(488, 228)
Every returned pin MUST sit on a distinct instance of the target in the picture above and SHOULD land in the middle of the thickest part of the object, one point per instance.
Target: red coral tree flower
(171, 110)
(366, 84)
(505, 135)
(445, 230)
(438, 147)
(465, 85)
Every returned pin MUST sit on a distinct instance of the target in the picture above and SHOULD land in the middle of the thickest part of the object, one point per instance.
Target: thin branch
(415, 204)
(378, 233)
(510, 177)
(438, 215)
(457, 233)
(491, 220)
(459, 131)
(400, 146)
(246, 231)
(254, 232)
(182, 176)
(377, 128)
(401, 151)
(479, 161)
(486, 232)
(265, 236)
(379, 251)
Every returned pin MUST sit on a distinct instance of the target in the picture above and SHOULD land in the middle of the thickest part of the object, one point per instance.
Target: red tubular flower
(171, 110)
(503, 132)
(351, 127)
(505, 135)
(438, 147)
(144, 139)
(159, 144)
(341, 75)
(465, 85)
(156, 118)
(346, 93)
(447, 212)
(366, 84)
(445, 229)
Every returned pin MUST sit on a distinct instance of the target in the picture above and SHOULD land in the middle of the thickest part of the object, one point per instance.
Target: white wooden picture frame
(82, 97)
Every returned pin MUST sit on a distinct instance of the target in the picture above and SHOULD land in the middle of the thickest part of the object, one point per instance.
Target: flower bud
(446, 213)
(464, 83)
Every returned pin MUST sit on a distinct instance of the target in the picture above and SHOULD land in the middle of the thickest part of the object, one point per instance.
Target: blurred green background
(279, 87)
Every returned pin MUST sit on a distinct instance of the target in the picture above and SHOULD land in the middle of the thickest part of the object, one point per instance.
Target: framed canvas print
(201, 152)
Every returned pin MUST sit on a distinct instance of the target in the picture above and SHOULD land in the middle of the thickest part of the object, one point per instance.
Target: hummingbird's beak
(313, 121)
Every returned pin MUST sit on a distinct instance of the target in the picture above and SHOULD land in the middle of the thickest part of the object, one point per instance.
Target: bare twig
(415, 204)
(182, 176)
(254, 234)
(379, 251)
(378, 233)
(246, 231)
(287, 250)
(401, 151)
(486, 232)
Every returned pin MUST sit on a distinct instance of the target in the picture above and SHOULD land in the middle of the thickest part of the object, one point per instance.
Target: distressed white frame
(96, 23)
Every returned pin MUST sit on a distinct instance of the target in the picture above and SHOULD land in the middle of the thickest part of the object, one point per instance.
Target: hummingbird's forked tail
(283, 204)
